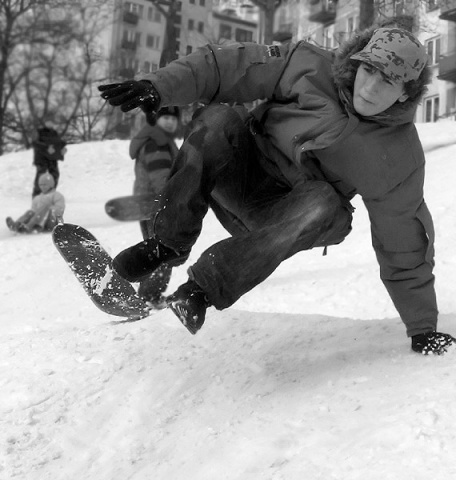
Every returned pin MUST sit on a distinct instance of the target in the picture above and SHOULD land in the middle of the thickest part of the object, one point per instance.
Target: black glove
(432, 343)
(131, 94)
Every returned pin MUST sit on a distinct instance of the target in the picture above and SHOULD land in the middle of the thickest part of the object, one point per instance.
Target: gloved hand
(131, 94)
(432, 343)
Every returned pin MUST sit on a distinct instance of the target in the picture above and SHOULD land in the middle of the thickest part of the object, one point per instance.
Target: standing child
(154, 150)
(46, 210)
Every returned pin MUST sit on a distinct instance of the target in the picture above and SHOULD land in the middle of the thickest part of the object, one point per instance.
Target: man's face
(373, 92)
(168, 123)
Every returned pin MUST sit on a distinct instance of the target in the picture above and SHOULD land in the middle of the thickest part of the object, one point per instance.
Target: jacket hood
(145, 134)
(344, 73)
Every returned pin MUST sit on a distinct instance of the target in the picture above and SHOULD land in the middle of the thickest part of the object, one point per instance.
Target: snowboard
(132, 207)
(92, 266)
(11, 224)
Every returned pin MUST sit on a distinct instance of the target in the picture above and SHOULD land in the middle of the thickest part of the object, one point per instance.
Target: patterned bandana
(396, 53)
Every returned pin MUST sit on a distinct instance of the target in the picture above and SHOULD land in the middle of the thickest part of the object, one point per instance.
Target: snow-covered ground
(308, 377)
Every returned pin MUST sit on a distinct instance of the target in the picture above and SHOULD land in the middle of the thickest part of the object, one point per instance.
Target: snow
(309, 376)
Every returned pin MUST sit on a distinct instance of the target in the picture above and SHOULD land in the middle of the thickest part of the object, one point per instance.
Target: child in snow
(46, 211)
(154, 151)
(335, 124)
(48, 150)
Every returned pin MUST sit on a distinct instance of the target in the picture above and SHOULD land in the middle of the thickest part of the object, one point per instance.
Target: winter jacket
(307, 128)
(48, 149)
(154, 151)
(44, 205)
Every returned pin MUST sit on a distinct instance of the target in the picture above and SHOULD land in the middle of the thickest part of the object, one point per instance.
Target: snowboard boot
(139, 261)
(189, 303)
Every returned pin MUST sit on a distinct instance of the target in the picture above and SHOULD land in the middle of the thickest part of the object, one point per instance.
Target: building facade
(135, 39)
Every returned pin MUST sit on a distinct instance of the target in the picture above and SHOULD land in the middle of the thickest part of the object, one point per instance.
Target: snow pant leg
(298, 221)
(218, 143)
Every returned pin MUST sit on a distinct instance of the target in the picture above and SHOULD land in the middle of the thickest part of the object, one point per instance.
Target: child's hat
(172, 111)
(396, 53)
(46, 180)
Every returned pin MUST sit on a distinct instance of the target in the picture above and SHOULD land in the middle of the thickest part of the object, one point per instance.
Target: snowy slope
(308, 377)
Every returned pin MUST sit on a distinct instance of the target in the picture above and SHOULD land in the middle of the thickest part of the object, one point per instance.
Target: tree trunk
(169, 52)
(366, 13)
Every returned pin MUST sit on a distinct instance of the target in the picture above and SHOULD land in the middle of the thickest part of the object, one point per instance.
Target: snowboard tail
(132, 207)
(92, 266)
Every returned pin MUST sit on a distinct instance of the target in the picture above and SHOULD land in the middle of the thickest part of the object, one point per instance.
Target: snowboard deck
(92, 266)
(132, 208)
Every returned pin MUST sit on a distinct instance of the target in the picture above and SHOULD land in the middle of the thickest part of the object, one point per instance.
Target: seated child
(46, 210)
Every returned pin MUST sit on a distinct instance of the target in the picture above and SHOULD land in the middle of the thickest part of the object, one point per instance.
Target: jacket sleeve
(403, 239)
(240, 72)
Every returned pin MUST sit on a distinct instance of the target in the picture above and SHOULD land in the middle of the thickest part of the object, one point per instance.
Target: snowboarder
(48, 150)
(154, 150)
(334, 125)
(46, 211)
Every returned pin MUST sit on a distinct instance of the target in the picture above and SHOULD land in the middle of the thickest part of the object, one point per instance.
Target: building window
(157, 17)
(202, 3)
(433, 50)
(352, 24)
(431, 109)
(328, 37)
(179, 7)
(189, 49)
(152, 41)
(129, 35)
(201, 27)
(225, 31)
(154, 67)
(192, 2)
(191, 24)
(243, 35)
(150, 14)
(146, 67)
(177, 32)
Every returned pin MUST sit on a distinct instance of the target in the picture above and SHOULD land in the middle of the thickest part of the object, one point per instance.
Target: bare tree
(50, 73)
(169, 9)
(366, 13)
(15, 26)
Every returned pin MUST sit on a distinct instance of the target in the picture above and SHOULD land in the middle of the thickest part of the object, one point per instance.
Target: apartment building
(327, 23)
(134, 41)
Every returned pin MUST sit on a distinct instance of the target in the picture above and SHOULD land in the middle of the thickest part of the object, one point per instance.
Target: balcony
(128, 44)
(447, 67)
(323, 11)
(448, 10)
(130, 17)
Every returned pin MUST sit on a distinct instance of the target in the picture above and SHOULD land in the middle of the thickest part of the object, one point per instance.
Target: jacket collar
(397, 114)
